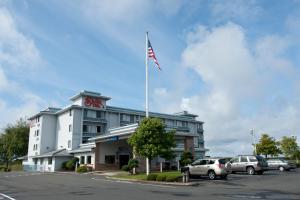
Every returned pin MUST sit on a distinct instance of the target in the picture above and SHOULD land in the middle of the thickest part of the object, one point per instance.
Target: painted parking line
(20, 175)
(6, 196)
(132, 182)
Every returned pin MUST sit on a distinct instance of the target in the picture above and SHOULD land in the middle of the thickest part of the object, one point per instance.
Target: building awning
(56, 153)
(23, 157)
(84, 148)
(116, 132)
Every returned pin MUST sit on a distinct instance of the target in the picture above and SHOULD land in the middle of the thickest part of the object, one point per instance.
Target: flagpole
(147, 108)
(146, 60)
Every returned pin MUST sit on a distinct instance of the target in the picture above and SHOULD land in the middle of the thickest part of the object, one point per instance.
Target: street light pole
(254, 141)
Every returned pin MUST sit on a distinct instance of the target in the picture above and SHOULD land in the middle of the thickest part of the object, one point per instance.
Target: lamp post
(254, 141)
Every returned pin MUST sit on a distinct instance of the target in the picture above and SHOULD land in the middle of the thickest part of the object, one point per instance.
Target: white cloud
(235, 9)
(16, 49)
(3, 80)
(241, 89)
(18, 55)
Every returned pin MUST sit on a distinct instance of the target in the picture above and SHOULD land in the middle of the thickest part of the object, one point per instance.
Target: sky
(234, 63)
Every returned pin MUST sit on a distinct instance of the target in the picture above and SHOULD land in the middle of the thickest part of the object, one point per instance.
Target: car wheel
(281, 168)
(250, 170)
(211, 175)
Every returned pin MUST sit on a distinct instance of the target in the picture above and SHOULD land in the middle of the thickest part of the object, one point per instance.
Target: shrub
(186, 158)
(172, 178)
(64, 165)
(133, 163)
(125, 168)
(70, 165)
(161, 177)
(151, 177)
(82, 169)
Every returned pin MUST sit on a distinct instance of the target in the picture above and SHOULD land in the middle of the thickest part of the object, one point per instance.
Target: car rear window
(223, 161)
(261, 159)
(252, 159)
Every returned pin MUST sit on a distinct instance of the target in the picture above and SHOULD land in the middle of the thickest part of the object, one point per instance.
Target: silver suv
(281, 164)
(249, 163)
(211, 167)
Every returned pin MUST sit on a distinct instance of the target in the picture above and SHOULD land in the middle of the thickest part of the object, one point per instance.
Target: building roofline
(89, 93)
(152, 114)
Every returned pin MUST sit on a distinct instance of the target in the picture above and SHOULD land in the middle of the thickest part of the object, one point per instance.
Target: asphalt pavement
(59, 186)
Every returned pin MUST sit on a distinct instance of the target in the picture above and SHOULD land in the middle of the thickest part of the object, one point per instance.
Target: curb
(153, 182)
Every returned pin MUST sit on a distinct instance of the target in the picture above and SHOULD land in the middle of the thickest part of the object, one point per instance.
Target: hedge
(161, 177)
(151, 177)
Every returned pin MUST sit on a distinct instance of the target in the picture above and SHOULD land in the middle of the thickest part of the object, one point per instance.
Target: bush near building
(161, 177)
(70, 165)
(151, 177)
(82, 169)
(171, 176)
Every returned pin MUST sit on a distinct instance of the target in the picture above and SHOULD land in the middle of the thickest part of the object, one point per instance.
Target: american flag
(151, 54)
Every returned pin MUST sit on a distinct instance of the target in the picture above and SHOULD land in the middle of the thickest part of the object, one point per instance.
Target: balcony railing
(199, 130)
(178, 128)
(102, 120)
(88, 134)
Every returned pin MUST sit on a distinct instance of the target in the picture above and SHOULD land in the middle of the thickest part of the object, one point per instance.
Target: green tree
(289, 147)
(267, 146)
(151, 139)
(14, 142)
(186, 158)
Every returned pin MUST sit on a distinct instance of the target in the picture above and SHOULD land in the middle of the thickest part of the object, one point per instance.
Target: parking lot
(46, 186)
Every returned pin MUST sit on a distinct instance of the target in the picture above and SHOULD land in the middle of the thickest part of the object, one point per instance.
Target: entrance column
(189, 145)
(97, 155)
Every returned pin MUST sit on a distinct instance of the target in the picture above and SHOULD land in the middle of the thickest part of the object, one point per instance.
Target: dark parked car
(252, 164)
(280, 164)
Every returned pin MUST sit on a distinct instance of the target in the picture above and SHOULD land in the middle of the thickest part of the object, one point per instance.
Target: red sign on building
(93, 102)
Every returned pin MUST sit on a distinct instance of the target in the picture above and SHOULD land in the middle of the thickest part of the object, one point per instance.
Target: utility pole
(254, 141)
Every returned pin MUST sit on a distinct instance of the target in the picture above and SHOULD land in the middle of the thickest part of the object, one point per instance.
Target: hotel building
(97, 134)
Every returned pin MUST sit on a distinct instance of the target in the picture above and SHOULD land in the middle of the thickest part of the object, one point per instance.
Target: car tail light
(258, 164)
(221, 165)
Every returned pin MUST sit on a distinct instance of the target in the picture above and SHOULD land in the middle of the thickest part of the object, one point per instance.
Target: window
(81, 159)
(91, 114)
(196, 144)
(169, 122)
(125, 117)
(98, 129)
(50, 161)
(203, 162)
(99, 114)
(37, 119)
(89, 160)
(37, 132)
(69, 143)
(70, 127)
(244, 159)
(109, 159)
(197, 162)
(184, 124)
(131, 118)
(234, 160)
(252, 159)
(70, 112)
(85, 128)
(210, 162)
(35, 146)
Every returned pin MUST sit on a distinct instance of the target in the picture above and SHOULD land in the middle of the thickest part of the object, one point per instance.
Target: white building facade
(97, 134)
